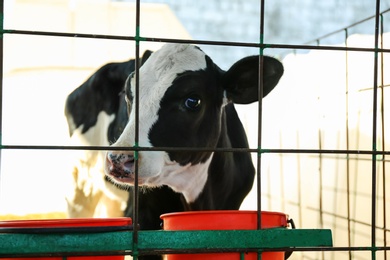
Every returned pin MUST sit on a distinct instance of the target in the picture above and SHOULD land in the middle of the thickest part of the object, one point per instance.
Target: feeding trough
(224, 220)
(82, 225)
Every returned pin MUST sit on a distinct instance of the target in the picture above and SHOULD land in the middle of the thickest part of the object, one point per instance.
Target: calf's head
(181, 97)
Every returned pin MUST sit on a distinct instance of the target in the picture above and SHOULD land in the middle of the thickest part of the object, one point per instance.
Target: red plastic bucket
(224, 220)
(68, 223)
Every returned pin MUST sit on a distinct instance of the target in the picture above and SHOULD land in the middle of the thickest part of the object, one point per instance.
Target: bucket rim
(61, 222)
(221, 212)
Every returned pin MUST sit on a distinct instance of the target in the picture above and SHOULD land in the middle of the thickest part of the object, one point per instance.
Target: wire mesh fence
(319, 140)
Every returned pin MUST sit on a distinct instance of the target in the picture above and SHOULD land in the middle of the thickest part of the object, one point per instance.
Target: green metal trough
(73, 242)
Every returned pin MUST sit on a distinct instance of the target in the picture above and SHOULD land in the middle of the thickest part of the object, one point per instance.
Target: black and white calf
(186, 101)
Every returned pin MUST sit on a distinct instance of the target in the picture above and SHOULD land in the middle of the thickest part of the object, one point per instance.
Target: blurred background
(323, 102)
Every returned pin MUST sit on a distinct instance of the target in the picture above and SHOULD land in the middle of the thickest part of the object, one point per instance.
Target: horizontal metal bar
(233, 239)
(200, 42)
(72, 35)
(201, 149)
(161, 241)
(64, 244)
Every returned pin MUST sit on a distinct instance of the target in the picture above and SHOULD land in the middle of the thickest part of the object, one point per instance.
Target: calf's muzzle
(120, 164)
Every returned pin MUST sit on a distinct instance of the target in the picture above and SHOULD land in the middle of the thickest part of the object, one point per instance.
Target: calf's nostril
(125, 160)
(112, 157)
(128, 164)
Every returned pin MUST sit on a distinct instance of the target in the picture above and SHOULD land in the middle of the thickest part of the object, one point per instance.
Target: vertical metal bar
(1, 79)
(260, 116)
(374, 135)
(136, 144)
(260, 119)
(383, 140)
(347, 144)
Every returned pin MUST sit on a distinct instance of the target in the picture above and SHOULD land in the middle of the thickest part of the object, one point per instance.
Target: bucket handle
(291, 222)
(288, 253)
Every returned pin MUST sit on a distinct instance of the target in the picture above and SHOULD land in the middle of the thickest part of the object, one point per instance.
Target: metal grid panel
(343, 158)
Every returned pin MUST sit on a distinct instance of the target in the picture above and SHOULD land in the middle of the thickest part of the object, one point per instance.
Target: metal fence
(318, 184)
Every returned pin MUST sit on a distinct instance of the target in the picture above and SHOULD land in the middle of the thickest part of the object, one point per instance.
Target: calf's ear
(145, 56)
(241, 81)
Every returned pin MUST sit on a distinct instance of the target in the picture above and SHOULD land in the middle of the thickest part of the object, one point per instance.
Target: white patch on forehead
(158, 74)
(173, 59)
(160, 70)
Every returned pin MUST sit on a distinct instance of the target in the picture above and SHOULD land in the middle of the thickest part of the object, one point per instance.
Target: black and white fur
(186, 100)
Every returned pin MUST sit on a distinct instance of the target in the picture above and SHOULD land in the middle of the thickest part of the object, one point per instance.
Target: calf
(186, 101)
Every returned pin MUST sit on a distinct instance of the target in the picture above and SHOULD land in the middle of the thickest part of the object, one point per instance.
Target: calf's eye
(192, 103)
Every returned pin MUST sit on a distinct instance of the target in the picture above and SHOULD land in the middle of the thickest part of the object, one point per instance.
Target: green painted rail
(121, 242)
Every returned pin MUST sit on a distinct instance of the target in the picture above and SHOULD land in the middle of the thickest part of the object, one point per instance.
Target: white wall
(40, 71)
